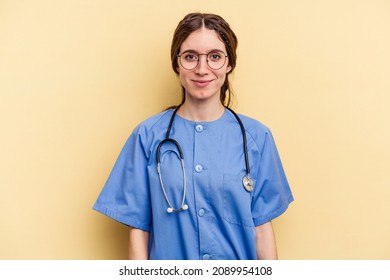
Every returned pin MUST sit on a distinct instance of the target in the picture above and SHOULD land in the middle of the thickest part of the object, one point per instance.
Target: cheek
(222, 75)
(183, 79)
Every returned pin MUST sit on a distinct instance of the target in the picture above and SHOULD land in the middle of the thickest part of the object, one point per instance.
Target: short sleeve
(272, 193)
(125, 196)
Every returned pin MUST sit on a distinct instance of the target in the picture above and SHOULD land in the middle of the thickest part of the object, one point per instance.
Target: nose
(202, 67)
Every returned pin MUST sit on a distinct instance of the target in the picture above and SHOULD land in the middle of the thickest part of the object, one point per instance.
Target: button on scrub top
(221, 219)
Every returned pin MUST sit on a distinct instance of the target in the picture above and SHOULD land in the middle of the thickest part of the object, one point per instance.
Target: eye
(191, 57)
(215, 56)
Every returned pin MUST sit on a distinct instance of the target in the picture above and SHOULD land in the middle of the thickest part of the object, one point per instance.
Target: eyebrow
(194, 51)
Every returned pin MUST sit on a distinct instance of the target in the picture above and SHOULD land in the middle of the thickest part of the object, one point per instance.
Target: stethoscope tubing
(247, 181)
(244, 141)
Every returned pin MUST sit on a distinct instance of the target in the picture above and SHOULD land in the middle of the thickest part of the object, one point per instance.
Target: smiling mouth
(202, 83)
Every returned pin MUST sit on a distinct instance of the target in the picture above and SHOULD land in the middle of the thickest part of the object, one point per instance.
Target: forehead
(203, 40)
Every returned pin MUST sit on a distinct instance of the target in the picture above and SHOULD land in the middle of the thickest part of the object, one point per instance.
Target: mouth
(202, 83)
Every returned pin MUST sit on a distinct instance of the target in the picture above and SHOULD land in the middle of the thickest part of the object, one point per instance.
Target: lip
(202, 83)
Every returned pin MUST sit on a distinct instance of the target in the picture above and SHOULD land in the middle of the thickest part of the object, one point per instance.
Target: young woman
(199, 181)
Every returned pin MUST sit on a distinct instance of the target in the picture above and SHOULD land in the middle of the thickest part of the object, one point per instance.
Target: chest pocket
(236, 201)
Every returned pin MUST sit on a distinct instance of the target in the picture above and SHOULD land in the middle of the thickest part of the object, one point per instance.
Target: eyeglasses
(189, 60)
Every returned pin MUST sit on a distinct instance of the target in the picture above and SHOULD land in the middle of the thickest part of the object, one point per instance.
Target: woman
(219, 200)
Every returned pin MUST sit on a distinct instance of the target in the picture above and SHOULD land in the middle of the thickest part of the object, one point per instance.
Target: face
(203, 83)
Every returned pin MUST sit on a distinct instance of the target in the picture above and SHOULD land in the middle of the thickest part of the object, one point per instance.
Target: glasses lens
(216, 60)
(189, 60)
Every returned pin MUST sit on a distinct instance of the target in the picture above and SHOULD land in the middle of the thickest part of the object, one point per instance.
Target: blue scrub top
(221, 219)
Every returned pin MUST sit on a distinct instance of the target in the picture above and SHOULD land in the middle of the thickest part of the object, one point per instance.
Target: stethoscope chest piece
(248, 183)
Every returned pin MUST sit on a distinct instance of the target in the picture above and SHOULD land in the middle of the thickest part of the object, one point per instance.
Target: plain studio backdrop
(77, 76)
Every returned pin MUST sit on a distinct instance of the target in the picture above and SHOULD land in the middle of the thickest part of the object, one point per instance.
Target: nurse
(213, 188)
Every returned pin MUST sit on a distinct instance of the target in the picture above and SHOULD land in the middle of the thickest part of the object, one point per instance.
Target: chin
(201, 94)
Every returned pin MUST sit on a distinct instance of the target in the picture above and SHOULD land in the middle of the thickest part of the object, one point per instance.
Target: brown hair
(195, 21)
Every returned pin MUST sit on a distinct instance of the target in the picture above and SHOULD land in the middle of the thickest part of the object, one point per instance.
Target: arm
(138, 244)
(265, 242)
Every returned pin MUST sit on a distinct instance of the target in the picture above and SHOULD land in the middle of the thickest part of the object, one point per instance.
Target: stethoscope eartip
(171, 210)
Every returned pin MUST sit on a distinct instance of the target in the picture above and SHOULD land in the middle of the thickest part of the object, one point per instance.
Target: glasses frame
(207, 60)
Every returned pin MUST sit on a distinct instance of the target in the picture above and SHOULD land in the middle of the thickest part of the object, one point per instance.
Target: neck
(201, 112)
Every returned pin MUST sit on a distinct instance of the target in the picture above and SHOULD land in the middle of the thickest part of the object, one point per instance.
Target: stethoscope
(246, 180)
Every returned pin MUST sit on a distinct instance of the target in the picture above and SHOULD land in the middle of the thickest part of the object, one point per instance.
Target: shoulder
(252, 126)
(258, 134)
(146, 133)
(153, 127)
(156, 122)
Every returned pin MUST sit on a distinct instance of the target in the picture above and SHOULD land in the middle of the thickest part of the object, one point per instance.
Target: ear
(228, 69)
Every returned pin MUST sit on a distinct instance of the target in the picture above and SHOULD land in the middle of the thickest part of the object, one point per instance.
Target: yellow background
(77, 76)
